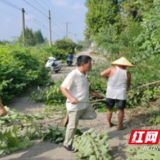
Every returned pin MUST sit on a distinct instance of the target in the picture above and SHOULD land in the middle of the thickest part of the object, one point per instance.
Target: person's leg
(111, 103)
(120, 118)
(109, 116)
(71, 127)
(89, 113)
(121, 104)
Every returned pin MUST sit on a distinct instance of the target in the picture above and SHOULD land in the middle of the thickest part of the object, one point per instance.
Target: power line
(39, 23)
(42, 13)
(57, 26)
(56, 10)
(45, 4)
(54, 18)
(48, 7)
(35, 8)
(35, 20)
(44, 8)
(38, 4)
(52, 9)
(10, 4)
(8, 13)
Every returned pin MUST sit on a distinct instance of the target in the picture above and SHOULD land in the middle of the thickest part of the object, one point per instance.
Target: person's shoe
(111, 125)
(69, 148)
(121, 128)
(66, 120)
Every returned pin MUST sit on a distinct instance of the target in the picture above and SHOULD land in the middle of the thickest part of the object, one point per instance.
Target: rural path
(42, 150)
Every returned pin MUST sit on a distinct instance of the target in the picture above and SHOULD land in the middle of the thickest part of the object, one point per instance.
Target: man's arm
(105, 73)
(95, 94)
(66, 93)
(129, 80)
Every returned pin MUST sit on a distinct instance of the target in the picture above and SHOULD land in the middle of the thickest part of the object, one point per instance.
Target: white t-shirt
(78, 87)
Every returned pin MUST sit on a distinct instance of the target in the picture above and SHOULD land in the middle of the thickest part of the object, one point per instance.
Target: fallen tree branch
(33, 124)
(147, 84)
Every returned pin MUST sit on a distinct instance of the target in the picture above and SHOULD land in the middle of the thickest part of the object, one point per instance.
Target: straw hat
(122, 61)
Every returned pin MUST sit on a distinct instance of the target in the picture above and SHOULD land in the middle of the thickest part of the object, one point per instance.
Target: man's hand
(73, 100)
(66, 93)
(95, 94)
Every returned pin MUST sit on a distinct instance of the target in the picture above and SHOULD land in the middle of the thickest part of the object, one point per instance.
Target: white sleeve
(68, 82)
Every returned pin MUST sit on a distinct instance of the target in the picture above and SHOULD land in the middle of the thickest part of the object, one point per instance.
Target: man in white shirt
(76, 88)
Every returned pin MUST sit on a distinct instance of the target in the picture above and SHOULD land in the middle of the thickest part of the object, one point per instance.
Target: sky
(36, 17)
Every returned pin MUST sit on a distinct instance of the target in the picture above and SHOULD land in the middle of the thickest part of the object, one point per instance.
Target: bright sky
(36, 17)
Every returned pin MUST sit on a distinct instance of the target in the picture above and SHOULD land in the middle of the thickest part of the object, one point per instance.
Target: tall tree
(32, 38)
(38, 37)
(100, 13)
(29, 38)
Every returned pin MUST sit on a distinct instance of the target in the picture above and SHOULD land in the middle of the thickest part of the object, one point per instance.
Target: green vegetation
(83, 45)
(26, 127)
(18, 129)
(134, 33)
(66, 45)
(140, 154)
(31, 38)
(23, 68)
(92, 146)
(100, 13)
(51, 94)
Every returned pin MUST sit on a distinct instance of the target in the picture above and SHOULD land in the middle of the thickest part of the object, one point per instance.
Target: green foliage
(49, 95)
(21, 68)
(142, 154)
(83, 45)
(79, 47)
(17, 129)
(131, 10)
(25, 127)
(156, 115)
(126, 38)
(11, 141)
(57, 53)
(38, 37)
(100, 13)
(107, 40)
(31, 38)
(149, 37)
(4, 42)
(54, 135)
(91, 145)
(65, 44)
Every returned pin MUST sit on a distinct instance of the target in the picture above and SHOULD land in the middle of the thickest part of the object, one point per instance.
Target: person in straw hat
(119, 80)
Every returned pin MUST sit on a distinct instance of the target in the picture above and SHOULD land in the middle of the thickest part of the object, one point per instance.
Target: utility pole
(49, 23)
(71, 34)
(66, 29)
(23, 26)
(75, 37)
